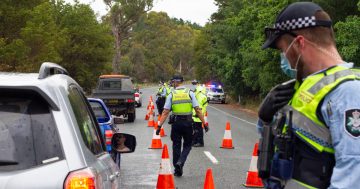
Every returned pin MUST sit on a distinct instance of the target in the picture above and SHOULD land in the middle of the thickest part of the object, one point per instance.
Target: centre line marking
(211, 157)
(232, 115)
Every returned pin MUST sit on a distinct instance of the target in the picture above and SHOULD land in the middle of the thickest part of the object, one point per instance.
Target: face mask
(286, 68)
(285, 65)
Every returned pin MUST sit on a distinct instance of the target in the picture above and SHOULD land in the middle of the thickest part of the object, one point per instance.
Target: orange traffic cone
(162, 131)
(227, 140)
(152, 105)
(151, 122)
(209, 181)
(165, 178)
(252, 177)
(156, 141)
(206, 118)
(147, 116)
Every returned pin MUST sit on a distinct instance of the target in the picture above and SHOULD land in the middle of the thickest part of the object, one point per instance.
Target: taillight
(130, 100)
(108, 135)
(82, 179)
(137, 95)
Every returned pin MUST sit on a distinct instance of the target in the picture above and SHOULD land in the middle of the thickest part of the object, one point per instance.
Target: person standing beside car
(181, 102)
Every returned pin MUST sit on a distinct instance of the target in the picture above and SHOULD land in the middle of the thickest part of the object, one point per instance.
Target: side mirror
(123, 143)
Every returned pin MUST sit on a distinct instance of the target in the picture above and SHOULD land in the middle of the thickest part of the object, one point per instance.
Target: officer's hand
(206, 128)
(278, 97)
(158, 130)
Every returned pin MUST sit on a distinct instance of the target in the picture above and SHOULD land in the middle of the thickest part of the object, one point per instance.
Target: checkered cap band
(296, 23)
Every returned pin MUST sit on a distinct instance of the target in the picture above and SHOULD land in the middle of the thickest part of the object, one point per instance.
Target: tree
(87, 52)
(123, 15)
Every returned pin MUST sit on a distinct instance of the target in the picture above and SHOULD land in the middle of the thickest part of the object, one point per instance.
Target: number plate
(113, 101)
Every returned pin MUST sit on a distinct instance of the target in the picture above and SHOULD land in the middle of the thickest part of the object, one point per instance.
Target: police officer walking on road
(181, 102)
(315, 121)
(198, 140)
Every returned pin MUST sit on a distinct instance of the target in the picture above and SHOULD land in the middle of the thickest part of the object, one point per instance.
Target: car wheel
(131, 117)
(223, 102)
(139, 105)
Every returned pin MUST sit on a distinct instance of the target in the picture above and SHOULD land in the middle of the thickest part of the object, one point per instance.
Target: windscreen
(217, 90)
(112, 85)
(98, 109)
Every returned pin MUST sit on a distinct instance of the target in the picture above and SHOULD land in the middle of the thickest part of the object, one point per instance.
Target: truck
(117, 92)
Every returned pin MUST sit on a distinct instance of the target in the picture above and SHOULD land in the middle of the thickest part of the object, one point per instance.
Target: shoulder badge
(352, 122)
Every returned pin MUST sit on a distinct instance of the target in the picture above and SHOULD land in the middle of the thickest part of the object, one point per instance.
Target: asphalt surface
(140, 169)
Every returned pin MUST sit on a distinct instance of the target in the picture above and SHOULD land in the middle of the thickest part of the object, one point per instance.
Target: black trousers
(160, 102)
(198, 133)
(181, 130)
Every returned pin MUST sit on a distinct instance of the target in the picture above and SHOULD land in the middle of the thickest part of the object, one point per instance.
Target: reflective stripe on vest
(306, 100)
(181, 102)
(305, 127)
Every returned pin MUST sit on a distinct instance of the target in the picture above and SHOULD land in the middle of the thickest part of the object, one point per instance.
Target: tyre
(131, 117)
(139, 105)
(223, 102)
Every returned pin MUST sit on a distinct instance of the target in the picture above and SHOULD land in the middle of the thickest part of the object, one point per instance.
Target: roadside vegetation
(154, 46)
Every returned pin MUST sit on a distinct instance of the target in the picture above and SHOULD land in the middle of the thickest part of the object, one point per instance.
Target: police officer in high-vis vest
(198, 140)
(181, 102)
(161, 96)
(311, 127)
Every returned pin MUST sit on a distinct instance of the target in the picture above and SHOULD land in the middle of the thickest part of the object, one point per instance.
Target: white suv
(49, 136)
(216, 94)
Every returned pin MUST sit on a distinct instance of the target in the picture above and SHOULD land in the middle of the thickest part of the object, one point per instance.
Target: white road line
(211, 157)
(232, 115)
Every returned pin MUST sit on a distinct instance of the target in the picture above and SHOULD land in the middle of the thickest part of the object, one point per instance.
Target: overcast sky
(198, 11)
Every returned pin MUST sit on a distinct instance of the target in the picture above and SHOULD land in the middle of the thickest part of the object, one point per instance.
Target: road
(140, 169)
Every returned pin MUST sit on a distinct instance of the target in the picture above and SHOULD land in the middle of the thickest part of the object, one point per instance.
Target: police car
(215, 93)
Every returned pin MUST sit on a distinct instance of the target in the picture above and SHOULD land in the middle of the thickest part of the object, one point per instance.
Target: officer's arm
(199, 114)
(164, 115)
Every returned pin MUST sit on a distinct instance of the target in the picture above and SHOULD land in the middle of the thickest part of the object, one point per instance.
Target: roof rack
(47, 69)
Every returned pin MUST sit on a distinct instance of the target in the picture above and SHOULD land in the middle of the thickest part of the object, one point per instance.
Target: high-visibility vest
(305, 123)
(181, 103)
(161, 89)
(203, 102)
(168, 90)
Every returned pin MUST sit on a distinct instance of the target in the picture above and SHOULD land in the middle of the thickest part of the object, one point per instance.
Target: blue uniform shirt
(337, 105)
(169, 99)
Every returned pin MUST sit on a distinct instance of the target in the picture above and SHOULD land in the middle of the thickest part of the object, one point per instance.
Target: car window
(28, 133)
(216, 90)
(86, 123)
(127, 84)
(112, 85)
(98, 109)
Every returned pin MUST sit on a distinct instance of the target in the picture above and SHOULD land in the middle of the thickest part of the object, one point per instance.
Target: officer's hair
(320, 35)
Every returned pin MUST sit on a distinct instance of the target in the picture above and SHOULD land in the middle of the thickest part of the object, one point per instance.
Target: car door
(90, 134)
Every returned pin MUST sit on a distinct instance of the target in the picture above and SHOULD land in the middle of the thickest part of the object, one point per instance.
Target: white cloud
(198, 11)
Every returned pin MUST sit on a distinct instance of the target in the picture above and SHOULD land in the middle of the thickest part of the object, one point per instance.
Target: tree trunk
(117, 55)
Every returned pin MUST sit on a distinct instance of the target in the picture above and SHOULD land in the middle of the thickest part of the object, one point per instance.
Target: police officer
(194, 83)
(161, 96)
(316, 130)
(198, 140)
(181, 101)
